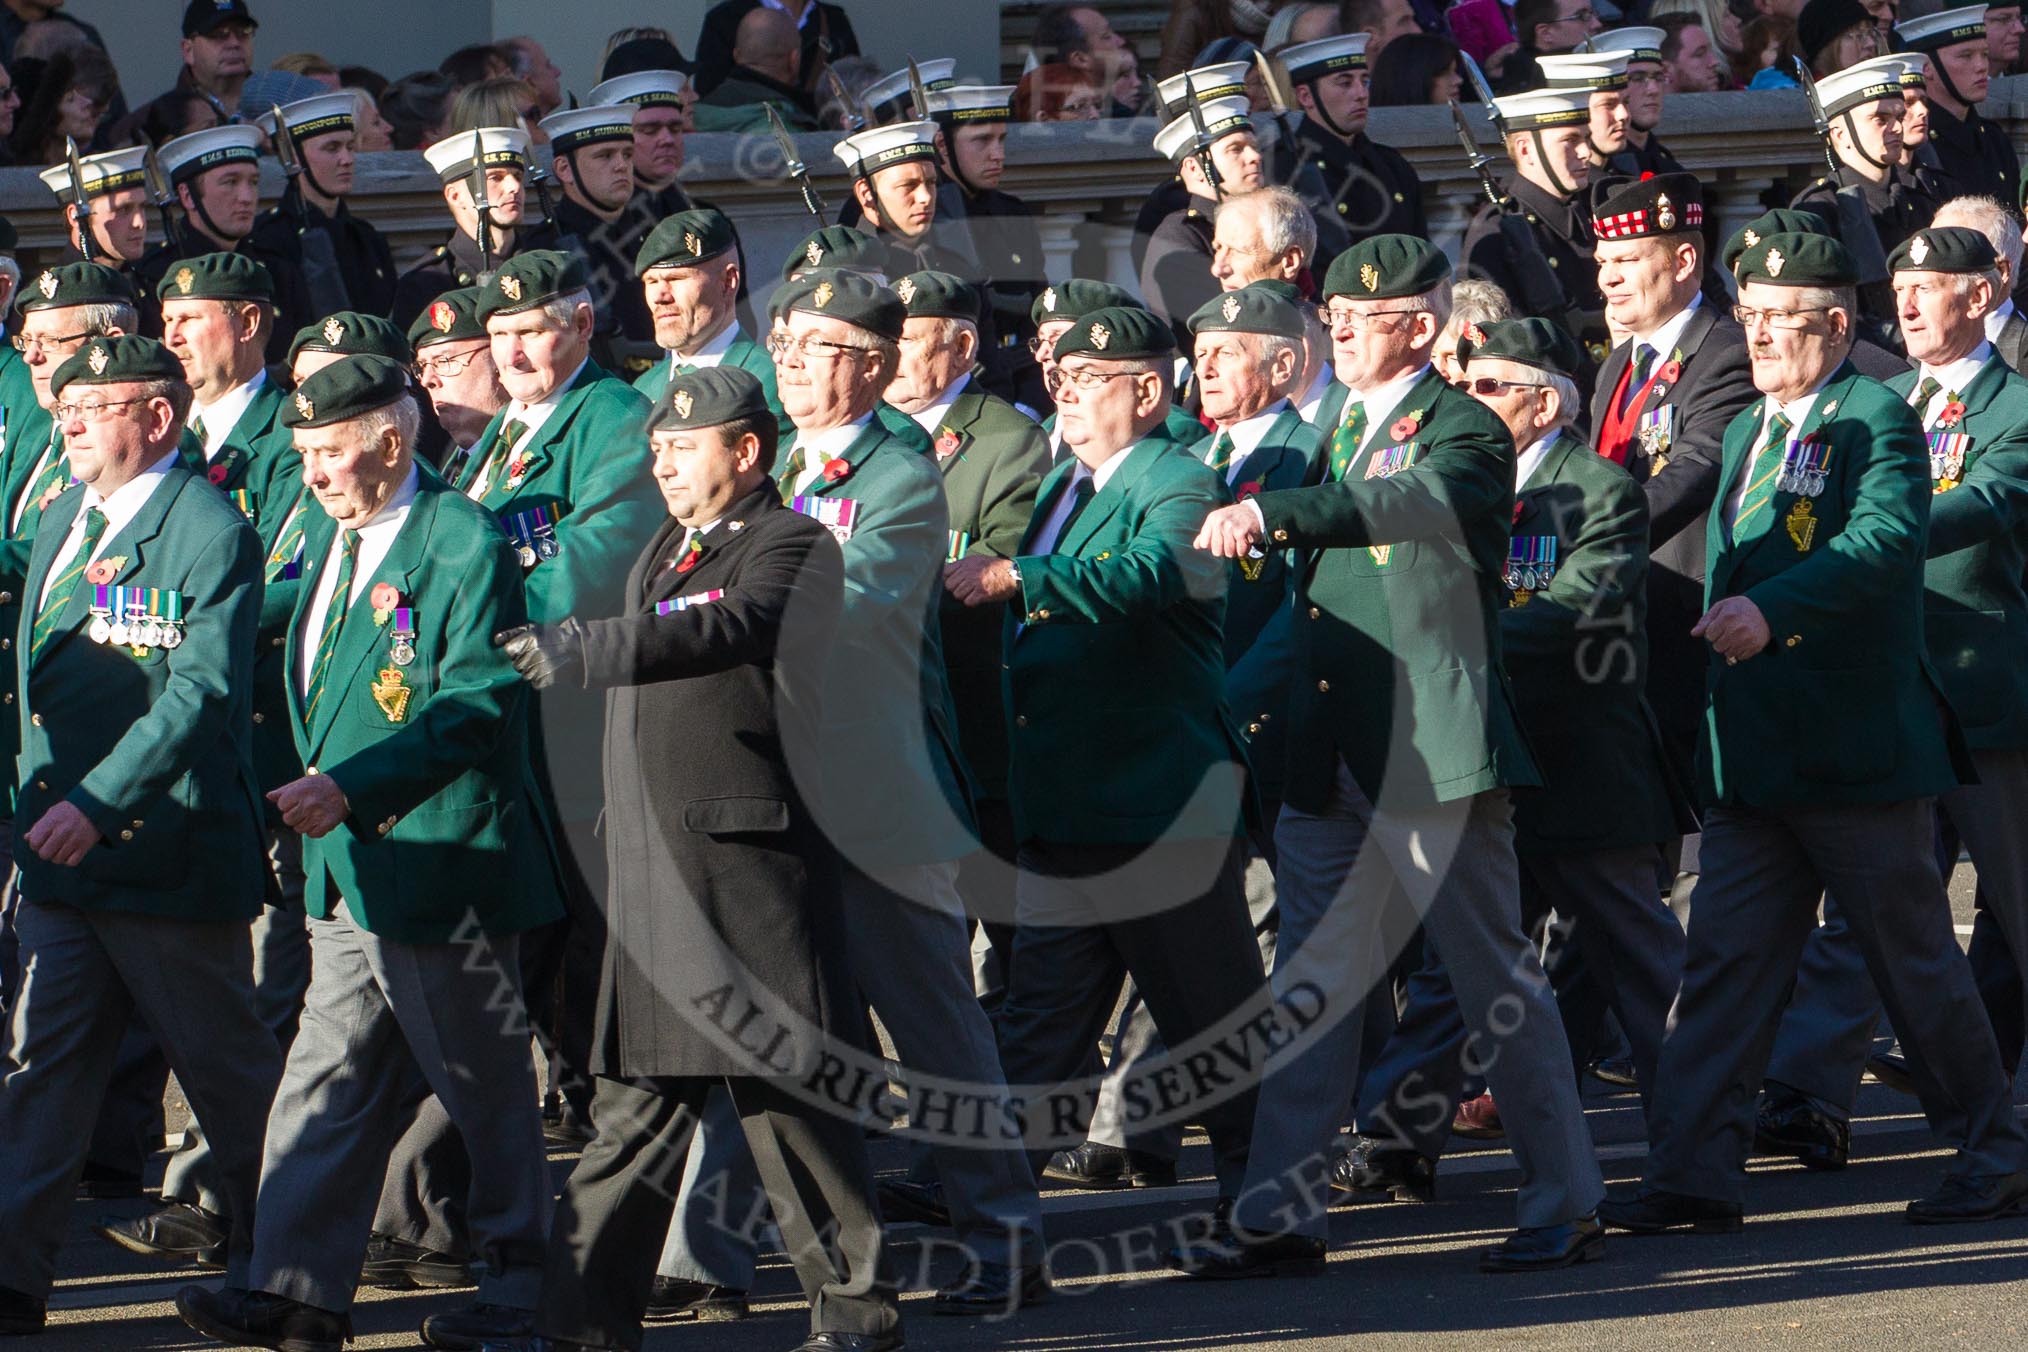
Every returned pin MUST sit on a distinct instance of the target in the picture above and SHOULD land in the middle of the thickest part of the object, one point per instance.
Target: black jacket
(827, 36)
(365, 263)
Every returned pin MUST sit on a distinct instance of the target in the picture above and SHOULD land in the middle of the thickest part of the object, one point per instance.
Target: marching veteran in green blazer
(1055, 312)
(691, 274)
(1815, 622)
(140, 853)
(1402, 731)
(426, 859)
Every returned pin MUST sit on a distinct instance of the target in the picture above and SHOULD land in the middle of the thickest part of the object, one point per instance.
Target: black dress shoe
(1537, 1248)
(993, 1288)
(21, 1312)
(1617, 1071)
(471, 1328)
(1794, 1126)
(1373, 1170)
(1226, 1254)
(178, 1232)
(1650, 1211)
(569, 1132)
(852, 1342)
(680, 1298)
(259, 1319)
(99, 1184)
(1092, 1165)
(397, 1265)
(901, 1200)
(1891, 1069)
(1973, 1197)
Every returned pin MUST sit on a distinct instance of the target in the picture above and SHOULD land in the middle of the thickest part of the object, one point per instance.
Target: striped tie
(57, 599)
(334, 621)
(1345, 441)
(287, 543)
(791, 471)
(197, 428)
(496, 455)
(55, 469)
(1220, 459)
(1923, 394)
(1760, 481)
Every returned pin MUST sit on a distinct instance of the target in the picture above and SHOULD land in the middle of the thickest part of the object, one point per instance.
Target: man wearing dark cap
(639, 75)
(605, 223)
(1118, 879)
(722, 647)
(838, 246)
(1659, 408)
(425, 863)
(1055, 312)
(1573, 642)
(895, 194)
(454, 367)
(218, 317)
(1815, 626)
(344, 257)
(691, 275)
(345, 334)
(1409, 515)
(1973, 153)
(218, 39)
(141, 856)
(1870, 358)
(1974, 414)
(1374, 190)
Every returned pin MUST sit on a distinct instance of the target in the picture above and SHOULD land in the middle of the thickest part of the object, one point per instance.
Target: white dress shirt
(223, 415)
(1951, 378)
(1663, 340)
(828, 444)
(1246, 436)
(122, 507)
(931, 418)
(1313, 398)
(711, 354)
(1059, 513)
(531, 417)
(1531, 459)
(1996, 320)
(376, 537)
(1797, 413)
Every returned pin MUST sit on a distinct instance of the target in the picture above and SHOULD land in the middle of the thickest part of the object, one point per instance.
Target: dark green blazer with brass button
(1116, 664)
(1840, 707)
(444, 832)
(1397, 613)
(257, 458)
(1975, 611)
(744, 353)
(153, 746)
(1576, 652)
(993, 457)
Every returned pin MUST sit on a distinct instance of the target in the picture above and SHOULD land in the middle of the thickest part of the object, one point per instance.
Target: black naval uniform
(1974, 157)
(293, 306)
(365, 263)
(1899, 207)
(1562, 230)
(1652, 158)
(1371, 188)
(623, 332)
(1008, 247)
(454, 264)
(1176, 271)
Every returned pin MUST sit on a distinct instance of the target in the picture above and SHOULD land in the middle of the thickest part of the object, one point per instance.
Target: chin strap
(1316, 110)
(570, 158)
(1858, 147)
(1556, 182)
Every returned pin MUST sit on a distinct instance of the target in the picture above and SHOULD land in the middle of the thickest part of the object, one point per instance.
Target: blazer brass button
(1323, 687)
(1316, 614)
(259, 718)
(7, 698)
(1021, 720)
(6, 598)
(126, 835)
(36, 719)
(1253, 729)
(5, 644)
(1042, 614)
(1281, 537)
(42, 784)
(383, 828)
(276, 642)
(1794, 639)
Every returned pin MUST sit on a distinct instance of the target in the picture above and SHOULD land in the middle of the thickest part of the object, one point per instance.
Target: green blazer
(1177, 425)
(24, 425)
(152, 746)
(894, 790)
(589, 466)
(444, 832)
(1575, 646)
(993, 458)
(744, 353)
(1116, 664)
(1331, 408)
(1841, 707)
(1975, 611)
(1397, 613)
(257, 459)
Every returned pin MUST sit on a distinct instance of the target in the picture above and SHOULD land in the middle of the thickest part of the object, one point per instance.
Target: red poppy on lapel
(1403, 428)
(1517, 511)
(947, 444)
(101, 573)
(384, 599)
(836, 470)
(1670, 374)
(216, 474)
(1953, 413)
(691, 555)
(1247, 489)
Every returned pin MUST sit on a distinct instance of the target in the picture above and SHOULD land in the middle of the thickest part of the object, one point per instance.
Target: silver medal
(527, 554)
(101, 630)
(119, 633)
(403, 652)
(172, 635)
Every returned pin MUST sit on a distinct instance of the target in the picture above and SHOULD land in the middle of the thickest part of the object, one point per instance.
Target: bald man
(767, 56)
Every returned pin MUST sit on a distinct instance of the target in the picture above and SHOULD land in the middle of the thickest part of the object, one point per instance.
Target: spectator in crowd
(1475, 303)
(218, 43)
(373, 131)
(1057, 93)
(1768, 53)
(1484, 30)
(366, 78)
(1545, 28)
(766, 68)
(1193, 25)
(824, 32)
(1418, 68)
(17, 15)
(70, 100)
(480, 61)
(1720, 21)
(166, 117)
(640, 48)
(2004, 30)
(856, 74)
(10, 105)
(531, 63)
(310, 66)
(1299, 23)
(1834, 34)
(1080, 37)
(1885, 14)
(1386, 20)
(418, 109)
(500, 101)
(1690, 59)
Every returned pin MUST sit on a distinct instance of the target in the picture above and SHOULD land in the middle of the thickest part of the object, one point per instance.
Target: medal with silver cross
(402, 649)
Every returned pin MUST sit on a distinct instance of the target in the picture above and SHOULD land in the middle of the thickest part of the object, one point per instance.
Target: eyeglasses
(1084, 380)
(25, 343)
(1790, 320)
(92, 410)
(1487, 386)
(1332, 318)
(1643, 77)
(444, 366)
(780, 345)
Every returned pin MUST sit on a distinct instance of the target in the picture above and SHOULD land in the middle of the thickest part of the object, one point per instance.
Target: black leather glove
(545, 654)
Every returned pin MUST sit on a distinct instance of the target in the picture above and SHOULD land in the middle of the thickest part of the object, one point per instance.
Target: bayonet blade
(1202, 134)
(1274, 86)
(849, 108)
(81, 204)
(285, 144)
(1484, 90)
(916, 93)
(793, 164)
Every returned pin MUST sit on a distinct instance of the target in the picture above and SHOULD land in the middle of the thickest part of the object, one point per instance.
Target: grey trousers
(281, 974)
(379, 1017)
(1138, 1045)
(1353, 882)
(1754, 910)
(714, 1233)
(620, 1199)
(1632, 947)
(1827, 1033)
(83, 973)
(911, 961)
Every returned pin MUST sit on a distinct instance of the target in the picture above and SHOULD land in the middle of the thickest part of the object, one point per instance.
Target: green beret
(1797, 260)
(1781, 221)
(709, 397)
(1944, 248)
(1387, 267)
(344, 390)
(1526, 342)
(451, 316)
(1251, 309)
(217, 276)
(685, 240)
(116, 361)
(938, 295)
(528, 281)
(850, 296)
(354, 335)
(837, 246)
(1077, 298)
(1117, 333)
(76, 284)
